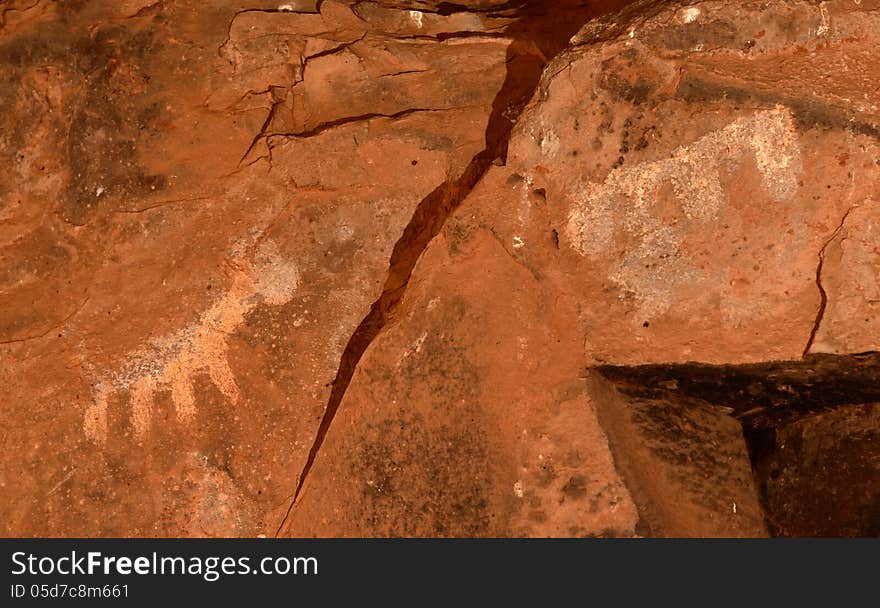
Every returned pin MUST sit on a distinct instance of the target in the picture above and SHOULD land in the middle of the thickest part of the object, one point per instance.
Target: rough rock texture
(310, 268)
(686, 464)
(680, 189)
(713, 180)
(840, 497)
(199, 205)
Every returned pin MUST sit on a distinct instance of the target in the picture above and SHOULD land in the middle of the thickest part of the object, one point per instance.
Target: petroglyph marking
(621, 206)
(173, 361)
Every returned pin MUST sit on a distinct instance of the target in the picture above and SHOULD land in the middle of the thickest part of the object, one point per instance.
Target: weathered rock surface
(692, 182)
(293, 265)
(685, 463)
(199, 205)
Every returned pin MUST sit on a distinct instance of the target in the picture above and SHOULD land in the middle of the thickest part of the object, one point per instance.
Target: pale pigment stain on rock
(549, 143)
(173, 361)
(690, 14)
(622, 204)
(825, 25)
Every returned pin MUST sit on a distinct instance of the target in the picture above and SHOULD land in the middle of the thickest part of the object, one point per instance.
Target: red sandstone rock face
(199, 207)
(256, 253)
(679, 190)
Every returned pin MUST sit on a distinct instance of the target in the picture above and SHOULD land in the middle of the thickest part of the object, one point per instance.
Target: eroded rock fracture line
(823, 295)
(536, 38)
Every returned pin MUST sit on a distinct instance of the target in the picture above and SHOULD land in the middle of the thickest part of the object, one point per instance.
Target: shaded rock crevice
(759, 395)
(325, 126)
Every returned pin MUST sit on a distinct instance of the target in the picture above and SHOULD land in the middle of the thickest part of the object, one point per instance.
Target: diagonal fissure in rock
(540, 33)
(823, 295)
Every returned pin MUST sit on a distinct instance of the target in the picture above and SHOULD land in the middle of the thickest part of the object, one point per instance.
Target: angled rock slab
(686, 464)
